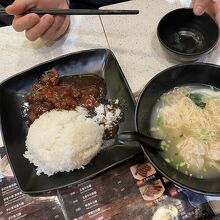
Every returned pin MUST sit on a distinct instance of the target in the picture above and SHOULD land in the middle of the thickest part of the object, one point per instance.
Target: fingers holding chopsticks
(58, 28)
(35, 32)
(47, 27)
(22, 23)
(20, 6)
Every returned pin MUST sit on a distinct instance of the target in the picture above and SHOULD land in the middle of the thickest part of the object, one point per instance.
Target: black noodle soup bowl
(186, 37)
(179, 75)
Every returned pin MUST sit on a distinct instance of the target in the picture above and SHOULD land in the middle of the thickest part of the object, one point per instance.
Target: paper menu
(133, 190)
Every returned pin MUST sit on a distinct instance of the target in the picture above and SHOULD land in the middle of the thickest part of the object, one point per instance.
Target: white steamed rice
(62, 141)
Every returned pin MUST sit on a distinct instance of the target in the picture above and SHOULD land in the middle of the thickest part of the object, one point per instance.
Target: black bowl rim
(185, 54)
(136, 127)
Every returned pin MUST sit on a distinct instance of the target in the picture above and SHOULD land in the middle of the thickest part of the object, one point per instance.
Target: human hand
(47, 27)
(210, 6)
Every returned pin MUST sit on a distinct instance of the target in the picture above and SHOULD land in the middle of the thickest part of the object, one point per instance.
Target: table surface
(134, 41)
(131, 38)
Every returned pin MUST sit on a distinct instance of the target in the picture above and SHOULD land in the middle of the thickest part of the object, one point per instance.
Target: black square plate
(14, 130)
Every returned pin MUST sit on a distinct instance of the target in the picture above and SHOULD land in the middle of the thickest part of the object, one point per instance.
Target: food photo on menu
(165, 200)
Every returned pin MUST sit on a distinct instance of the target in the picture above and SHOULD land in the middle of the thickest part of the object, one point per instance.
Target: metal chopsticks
(76, 12)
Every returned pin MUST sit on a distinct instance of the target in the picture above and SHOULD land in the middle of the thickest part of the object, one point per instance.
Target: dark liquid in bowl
(187, 40)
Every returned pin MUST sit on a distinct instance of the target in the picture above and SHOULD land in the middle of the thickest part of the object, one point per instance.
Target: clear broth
(171, 153)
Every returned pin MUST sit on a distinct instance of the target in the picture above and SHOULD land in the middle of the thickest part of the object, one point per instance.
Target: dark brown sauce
(85, 81)
(110, 132)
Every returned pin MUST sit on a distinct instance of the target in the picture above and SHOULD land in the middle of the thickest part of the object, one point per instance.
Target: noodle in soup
(187, 119)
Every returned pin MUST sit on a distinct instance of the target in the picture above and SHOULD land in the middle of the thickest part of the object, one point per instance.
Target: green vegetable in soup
(164, 98)
(200, 177)
(159, 120)
(164, 145)
(182, 164)
(167, 160)
(197, 99)
(186, 172)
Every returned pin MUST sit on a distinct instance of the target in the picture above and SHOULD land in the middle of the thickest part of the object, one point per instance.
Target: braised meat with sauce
(50, 93)
(38, 108)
